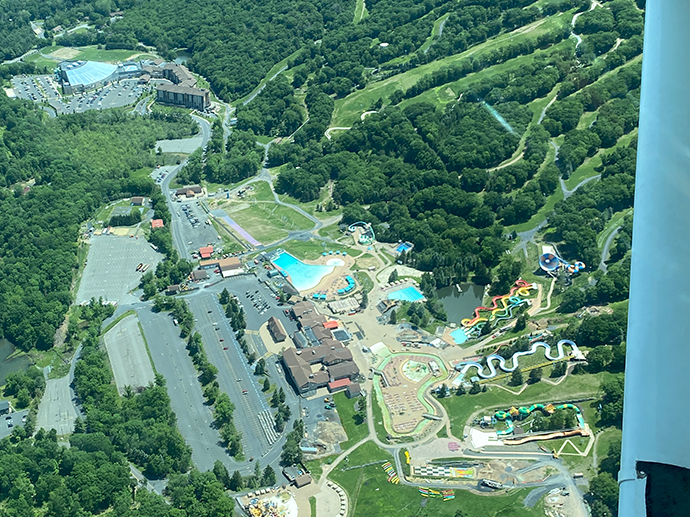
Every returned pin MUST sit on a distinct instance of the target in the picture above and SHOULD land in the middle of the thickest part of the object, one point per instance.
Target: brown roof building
(230, 266)
(189, 191)
(275, 327)
(303, 307)
(312, 319)
(194, 98)
(199, 274)
(346, 369)
(137, 201)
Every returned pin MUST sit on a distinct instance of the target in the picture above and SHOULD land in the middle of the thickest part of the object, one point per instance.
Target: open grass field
(461, 408)
(348, 110)
(346, 411)
(269, 222)
(93, 53)
(370, 493)
(312, 249)
(310, 207)
(262, 191)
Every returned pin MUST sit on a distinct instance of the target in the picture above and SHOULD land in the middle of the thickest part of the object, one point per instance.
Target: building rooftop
(86, 72)
(180, 88)
(230, 263)
(199, 274)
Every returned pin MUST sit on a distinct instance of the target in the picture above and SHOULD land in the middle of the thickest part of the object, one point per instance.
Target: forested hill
(233, 43)
(79, 162)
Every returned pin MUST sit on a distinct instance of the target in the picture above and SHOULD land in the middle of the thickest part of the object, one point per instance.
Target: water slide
(524, 412)
(515, 298)
(463, 368)
(540, 437)
(551, 262)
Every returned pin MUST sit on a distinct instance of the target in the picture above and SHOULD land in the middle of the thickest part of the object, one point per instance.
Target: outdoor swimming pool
(408, 294)
(302, 276)
(459, 336)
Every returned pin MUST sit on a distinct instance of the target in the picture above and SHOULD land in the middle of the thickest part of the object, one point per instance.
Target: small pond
(459, 301)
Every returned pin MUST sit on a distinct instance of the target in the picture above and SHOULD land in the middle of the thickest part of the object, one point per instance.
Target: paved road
(569, 192)
(58, 408)
(605, 249)
(194, 417)
(234, 374)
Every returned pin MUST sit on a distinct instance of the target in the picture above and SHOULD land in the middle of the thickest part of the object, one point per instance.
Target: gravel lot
(110, 271)
(128, 357)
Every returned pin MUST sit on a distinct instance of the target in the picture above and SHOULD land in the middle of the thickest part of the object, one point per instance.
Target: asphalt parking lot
(44, 88)
(35, 88)
(110, 269)
(258, 306)
(114, 95)
(128, 358)
(16, 420)
(190, 230)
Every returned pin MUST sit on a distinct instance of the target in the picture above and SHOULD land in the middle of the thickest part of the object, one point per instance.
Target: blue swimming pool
(459, 336)
(302, 276)
(409, 294)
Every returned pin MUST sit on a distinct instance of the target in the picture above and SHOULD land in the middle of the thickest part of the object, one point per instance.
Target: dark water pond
(460, 303)
(15, 364)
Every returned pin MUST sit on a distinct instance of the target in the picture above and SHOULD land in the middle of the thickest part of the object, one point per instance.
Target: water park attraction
(522, 413)
(403, 378)
(501, 309)
(550, 262)
(366, 232)
(463, 368)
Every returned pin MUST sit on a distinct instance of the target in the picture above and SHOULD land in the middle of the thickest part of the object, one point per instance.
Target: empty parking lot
(110, 270)
(128, 357)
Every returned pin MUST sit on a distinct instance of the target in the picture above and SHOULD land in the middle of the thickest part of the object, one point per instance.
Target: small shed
(137, 201)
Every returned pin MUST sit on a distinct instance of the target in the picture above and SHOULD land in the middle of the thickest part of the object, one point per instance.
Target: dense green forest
(79, 163)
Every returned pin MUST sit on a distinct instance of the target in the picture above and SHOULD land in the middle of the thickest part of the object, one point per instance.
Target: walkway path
(607, 246)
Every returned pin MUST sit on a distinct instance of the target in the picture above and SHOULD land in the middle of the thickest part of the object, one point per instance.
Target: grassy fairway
(269, 222)
(346, 411)
(460, 408)
(360, 12)
(370, 493)
(348, 110)
(269, 76)
(611, 225)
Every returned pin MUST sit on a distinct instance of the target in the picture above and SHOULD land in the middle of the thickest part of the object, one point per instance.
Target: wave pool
(302, 276)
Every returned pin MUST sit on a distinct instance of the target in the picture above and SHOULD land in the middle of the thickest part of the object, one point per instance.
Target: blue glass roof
(89, 73)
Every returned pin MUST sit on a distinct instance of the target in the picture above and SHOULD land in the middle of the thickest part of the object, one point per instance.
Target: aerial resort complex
(338, 259)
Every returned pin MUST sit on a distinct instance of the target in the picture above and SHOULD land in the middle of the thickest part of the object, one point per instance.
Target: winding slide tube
(515, 359)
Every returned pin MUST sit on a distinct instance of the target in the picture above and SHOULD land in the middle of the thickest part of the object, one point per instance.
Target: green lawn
(611, 225)
(348, 110)
(460, 408)
(262, 191)
(310, 207)
(269, 222)
(346, 411)
(381, 432)
(93, 53)
(364, 280)
(312, 249)
(264, 139)
(360, 12)
(434, 33)
(370, 494)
